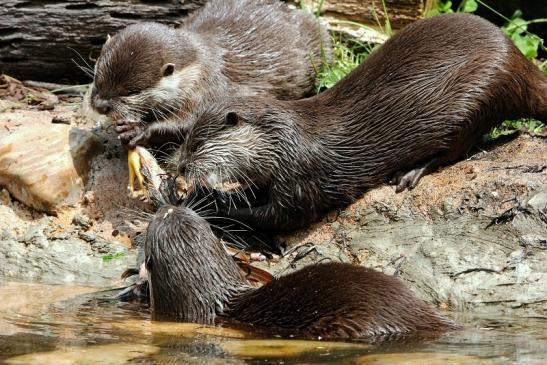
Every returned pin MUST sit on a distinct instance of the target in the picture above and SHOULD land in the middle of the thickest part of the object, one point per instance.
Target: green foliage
(512, 126)
(445, 7)
(387, 26)
(442, 7)
(468, 6)
(346, 56)
(517, 29)
(113, 256)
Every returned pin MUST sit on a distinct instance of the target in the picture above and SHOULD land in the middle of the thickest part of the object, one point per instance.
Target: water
(41, 324)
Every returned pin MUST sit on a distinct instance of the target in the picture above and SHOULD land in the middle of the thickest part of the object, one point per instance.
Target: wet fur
(420, 101)
(193, 279)
(243, 47)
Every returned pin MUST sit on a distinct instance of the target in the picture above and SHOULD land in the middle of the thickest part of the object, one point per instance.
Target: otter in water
(192, 279)
(150, 72)
(418, 102)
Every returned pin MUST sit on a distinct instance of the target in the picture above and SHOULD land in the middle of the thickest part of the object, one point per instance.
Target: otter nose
(102, 106)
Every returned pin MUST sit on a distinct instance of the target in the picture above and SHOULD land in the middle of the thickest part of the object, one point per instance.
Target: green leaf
(527, 44)
(446, 7)
(515, 26)
(469, 6)
(512, 126)
(110, 257)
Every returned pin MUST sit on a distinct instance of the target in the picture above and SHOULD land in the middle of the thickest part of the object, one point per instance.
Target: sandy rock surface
(74, 168)
(46, 167)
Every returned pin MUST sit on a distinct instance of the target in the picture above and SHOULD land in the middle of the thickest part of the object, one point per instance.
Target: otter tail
(536, 82)
(525, 86)
(539, 110)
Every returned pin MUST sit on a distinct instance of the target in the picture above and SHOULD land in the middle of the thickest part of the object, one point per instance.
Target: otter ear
(231, 118)
(168, 69)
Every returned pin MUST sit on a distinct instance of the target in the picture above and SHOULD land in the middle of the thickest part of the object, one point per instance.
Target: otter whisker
(223, 218)
(86, 67)
(135, 213)
(241, 191)
(192, 203)
(87, 71)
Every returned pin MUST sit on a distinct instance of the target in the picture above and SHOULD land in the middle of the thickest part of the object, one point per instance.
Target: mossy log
(40, 38)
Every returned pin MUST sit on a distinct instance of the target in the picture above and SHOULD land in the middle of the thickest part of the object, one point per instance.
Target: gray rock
(81, 220)
(63, 261)
(88, 237)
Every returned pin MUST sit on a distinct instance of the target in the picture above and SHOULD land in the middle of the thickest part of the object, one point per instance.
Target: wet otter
(150, 72)
(418, 102)
(191, 278)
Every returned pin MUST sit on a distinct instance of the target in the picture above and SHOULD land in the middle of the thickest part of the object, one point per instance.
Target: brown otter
(151, 72)
(418, 102)
(191, 278)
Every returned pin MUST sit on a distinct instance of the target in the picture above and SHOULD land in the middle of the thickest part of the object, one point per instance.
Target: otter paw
(127, 130)
(408, 180)
(137, 292)
(140, 138)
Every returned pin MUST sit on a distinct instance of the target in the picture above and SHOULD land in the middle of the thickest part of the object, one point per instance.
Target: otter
(192, 279)
(419, 102)
(150, 73)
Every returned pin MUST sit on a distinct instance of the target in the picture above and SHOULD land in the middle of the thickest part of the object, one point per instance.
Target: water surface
(46, 324)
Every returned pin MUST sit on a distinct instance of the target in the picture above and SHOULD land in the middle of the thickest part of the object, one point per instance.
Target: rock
(466, 244)
(81, 220)
(88, 237)
(5, 235)
(539, 203)
(47, 169)
(62, 261)
(5, 197)
(35, 234)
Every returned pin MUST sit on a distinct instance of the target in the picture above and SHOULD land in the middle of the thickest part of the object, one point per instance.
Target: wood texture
(370, 12)
(40, 38)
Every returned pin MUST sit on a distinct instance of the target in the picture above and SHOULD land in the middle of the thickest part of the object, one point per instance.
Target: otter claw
(410, 179)
(134, 166)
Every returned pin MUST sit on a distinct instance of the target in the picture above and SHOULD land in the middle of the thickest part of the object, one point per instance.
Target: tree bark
(42, 39)
(371, 12)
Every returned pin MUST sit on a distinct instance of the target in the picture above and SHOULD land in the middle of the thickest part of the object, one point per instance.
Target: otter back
(150, 72)
(419, 102)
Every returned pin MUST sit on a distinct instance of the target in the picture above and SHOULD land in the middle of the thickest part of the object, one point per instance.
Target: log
(371, 12)
(42, 40)
(39, 39)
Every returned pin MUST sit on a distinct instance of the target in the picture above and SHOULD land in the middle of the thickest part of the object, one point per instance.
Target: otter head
(191, 276)
(234, 141)
(144, 70)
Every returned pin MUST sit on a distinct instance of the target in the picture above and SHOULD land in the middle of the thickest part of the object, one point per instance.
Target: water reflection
(43, 324)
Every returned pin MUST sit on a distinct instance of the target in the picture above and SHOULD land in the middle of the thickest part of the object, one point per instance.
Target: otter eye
(232, 118)
(132, 92)
(168, 69)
